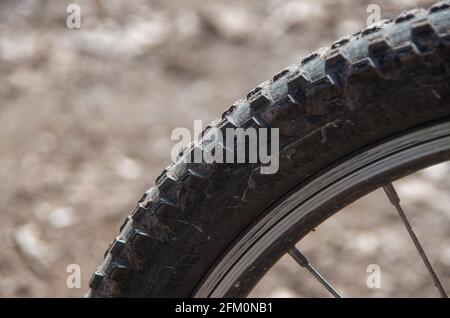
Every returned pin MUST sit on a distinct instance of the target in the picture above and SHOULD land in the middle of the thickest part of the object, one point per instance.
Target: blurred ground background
(85, 122)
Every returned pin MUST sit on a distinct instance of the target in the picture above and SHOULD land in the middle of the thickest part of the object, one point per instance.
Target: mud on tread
(377, 53)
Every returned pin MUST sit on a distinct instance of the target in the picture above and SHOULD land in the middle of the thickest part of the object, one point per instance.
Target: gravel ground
(86, 117)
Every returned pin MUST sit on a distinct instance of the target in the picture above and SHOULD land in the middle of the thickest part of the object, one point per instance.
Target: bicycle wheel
(371, 108)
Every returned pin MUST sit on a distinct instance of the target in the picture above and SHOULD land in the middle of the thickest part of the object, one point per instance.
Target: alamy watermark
(374, 278)
(73, 20)
(374, 11)
(73, 280)
(229, 145)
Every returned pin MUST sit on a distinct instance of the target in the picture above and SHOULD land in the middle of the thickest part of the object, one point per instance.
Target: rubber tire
(366, 87)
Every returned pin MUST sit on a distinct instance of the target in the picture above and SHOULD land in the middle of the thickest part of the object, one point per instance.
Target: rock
(231, 23)
(38, 254)
(62, 217)
(58, 218)
(127, 168)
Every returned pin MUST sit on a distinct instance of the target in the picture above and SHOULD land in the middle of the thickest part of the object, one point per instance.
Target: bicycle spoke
(395, 201)
(303, 262)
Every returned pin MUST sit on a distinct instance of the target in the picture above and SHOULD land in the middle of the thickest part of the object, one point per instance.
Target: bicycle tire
(386, 79)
